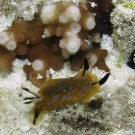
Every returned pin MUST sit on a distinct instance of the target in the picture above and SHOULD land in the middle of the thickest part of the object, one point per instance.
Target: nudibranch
(55, 93)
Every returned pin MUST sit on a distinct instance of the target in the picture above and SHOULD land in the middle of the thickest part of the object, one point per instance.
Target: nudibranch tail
(36, 114)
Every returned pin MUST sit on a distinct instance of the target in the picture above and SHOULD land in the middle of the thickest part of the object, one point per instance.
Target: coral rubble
(59, 32)
(123, 20)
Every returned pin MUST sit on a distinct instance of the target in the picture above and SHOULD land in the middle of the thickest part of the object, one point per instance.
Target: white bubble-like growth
(11, 45)
(48, 14)
(7, 40)
(63, 43)
(75, 27)
(72, 13)
(63, 18)
(71, 42)
(90, 23)
(38, 65)
(72, 47)
(4, 37)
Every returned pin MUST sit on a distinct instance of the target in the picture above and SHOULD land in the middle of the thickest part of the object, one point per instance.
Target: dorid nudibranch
(55, 93)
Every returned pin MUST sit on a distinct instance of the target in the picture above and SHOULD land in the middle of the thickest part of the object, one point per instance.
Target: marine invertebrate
(15, 111)
(59, 92)
(116, 112)
(59, 31)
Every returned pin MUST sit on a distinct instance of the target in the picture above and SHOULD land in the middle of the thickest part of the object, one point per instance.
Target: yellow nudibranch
(55, 93)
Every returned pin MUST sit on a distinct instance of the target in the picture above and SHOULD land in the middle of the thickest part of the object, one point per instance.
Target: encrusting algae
(55, 93)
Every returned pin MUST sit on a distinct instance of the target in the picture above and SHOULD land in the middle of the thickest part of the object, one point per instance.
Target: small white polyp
(38, 65)
(90, 23)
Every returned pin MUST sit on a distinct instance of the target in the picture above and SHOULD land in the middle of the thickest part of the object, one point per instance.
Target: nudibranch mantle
(56, 93)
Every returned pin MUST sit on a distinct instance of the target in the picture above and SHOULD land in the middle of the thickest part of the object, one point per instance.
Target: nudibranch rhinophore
(55, 93)
(60, 31)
